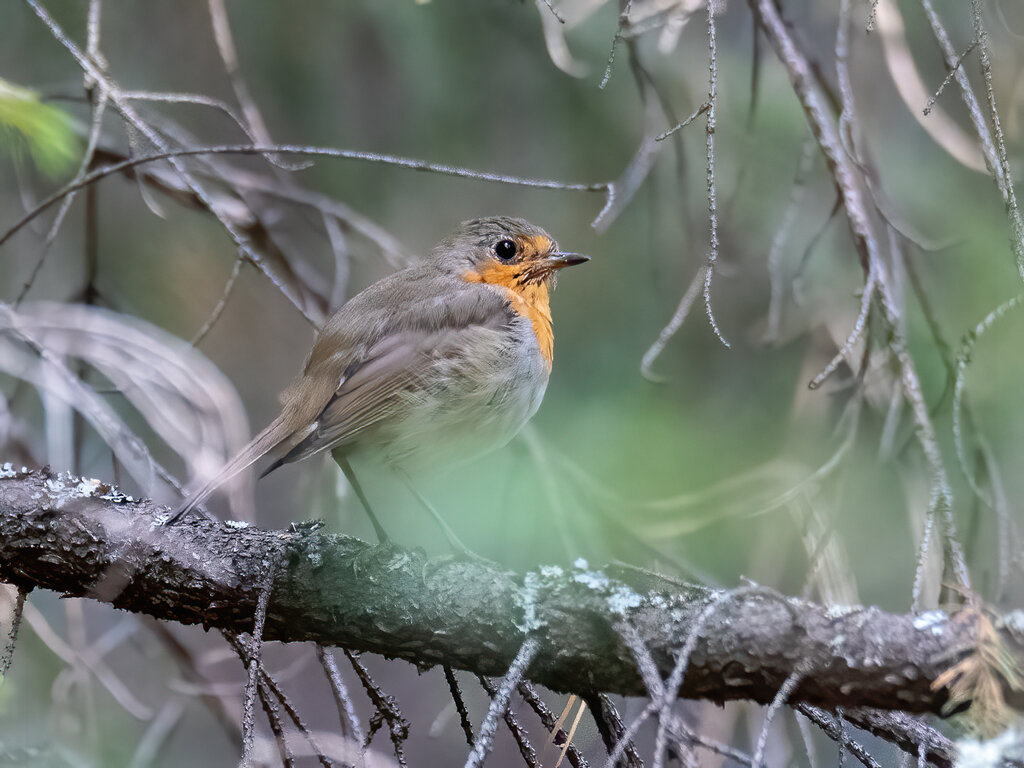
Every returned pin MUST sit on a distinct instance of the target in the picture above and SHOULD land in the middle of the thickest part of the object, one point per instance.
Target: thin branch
(254, 126)
(499, 703)
(526, 750)
(706, 106)
(609, 725)
(963, 360)
(675, 680)
(948, 78)
(1009, 195)
(994, 151)
(460, 705)
(347, 717)
(285, 149)
(780, 699)
(136, 124)
(681, 732)
(157, 733)
(832, 726)
(274, 718)
(921, 562)
(856, 333)
(386, 709)
(222, 302)
(12, 634)
(673, 326)
(623, 22)
(269, 688)
(547, 718)
(712, 257)
(253, 664)
(554, 11)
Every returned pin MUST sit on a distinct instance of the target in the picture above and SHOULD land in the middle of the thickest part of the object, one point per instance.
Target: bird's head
(504, 251)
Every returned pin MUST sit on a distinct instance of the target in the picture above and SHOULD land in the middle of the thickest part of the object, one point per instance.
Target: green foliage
(44, 129)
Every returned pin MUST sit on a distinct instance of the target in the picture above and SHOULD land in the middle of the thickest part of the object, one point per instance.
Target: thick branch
(82, 538)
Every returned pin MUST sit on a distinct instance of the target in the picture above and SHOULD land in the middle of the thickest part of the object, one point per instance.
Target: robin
(439, 362)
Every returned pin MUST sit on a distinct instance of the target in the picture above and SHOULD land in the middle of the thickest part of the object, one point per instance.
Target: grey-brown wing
(407, 343)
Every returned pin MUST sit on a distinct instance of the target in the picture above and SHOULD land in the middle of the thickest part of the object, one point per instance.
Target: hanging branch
(848, 178)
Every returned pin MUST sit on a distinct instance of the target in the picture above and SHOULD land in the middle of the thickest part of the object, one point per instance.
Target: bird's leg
(382, 536)
(454, 541)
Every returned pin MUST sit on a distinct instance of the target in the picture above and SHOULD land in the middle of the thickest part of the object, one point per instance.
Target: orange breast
(530, 301)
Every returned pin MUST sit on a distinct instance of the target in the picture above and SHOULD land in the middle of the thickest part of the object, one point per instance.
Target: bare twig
(679, 126)
(948, 78)
(271, 692)
(547, 718)
(1009, 195)
(222, 302)
(254, 126)
(526, 750)
(17, 610)
(780, 699)
(609, 725)
(994, 150)
(255, 149)
(253, 665)
(712, 257)
(623, 22)
(460, 705)
(832, 726)
(499, 703)
(347, 717)
(670, 330)
(857, 332)
(387, 710)
(554, 11)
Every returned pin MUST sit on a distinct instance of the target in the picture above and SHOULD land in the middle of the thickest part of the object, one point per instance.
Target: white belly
(481, 401)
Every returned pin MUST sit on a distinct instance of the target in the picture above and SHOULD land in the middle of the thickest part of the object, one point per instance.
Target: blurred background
(719, 465)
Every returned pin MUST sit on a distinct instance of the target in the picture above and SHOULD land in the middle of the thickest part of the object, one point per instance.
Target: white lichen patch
(931, 620)
(115, 496)
(8, 471)
(65, 486)
(839, 611)
(528, 602)
(551, 571)
(592, 580)
(620, 598)
(236, 524)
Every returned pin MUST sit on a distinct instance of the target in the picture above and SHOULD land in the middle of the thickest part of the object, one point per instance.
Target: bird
(434, 364)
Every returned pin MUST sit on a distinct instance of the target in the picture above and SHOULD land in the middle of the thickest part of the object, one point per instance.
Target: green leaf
(45, 130)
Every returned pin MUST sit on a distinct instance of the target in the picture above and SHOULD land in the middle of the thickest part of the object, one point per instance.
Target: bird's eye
(505, 250)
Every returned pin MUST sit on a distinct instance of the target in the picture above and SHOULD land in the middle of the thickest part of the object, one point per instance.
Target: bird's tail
(273, 435)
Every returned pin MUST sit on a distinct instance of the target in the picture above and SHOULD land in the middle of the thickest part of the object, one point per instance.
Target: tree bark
(595, 627)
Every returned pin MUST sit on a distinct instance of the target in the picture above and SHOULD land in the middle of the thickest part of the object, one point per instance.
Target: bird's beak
(558, 261)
